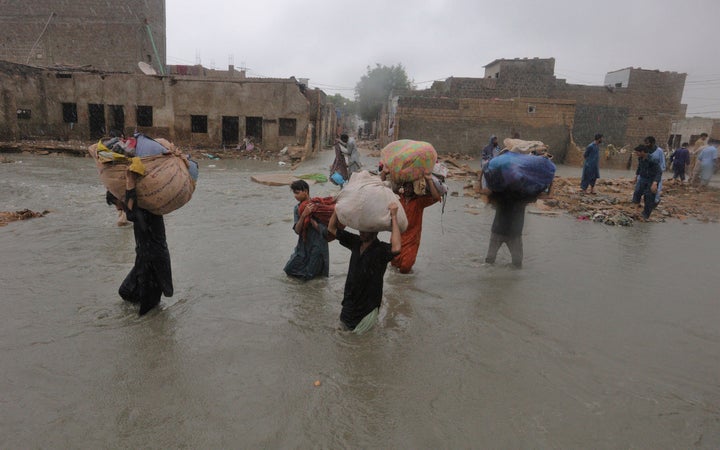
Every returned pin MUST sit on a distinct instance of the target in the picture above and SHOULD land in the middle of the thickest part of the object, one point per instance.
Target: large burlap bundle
(520, 146)
(363, 204)
(408, 160)
(165, 187)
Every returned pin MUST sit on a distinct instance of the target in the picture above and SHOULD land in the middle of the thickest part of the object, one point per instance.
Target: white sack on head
(363, 204)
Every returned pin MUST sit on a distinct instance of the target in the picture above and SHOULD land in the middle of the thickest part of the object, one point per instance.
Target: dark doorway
(230, 130)
(117, 118)
(97, 120)
(253, 128)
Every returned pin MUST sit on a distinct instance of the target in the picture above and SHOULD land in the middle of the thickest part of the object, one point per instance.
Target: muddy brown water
(606, 338)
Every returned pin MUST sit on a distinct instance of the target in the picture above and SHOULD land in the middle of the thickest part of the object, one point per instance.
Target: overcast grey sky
(333, 42)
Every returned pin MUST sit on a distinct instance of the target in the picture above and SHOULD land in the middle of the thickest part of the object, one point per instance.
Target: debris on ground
(612, 205)
(11, 216)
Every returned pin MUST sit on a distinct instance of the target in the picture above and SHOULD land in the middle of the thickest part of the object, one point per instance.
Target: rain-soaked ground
(608, 337)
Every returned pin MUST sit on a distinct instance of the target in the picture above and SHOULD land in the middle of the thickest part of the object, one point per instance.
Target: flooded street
(608, 337)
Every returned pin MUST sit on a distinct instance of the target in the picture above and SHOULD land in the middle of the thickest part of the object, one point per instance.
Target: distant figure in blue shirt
(680, 160)
(591, 167)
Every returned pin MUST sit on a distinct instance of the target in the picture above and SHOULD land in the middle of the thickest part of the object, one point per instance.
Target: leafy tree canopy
(373, 89)
(341, 102)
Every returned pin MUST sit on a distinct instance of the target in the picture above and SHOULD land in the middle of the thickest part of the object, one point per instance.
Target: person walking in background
(339, 165)
(491, 150)
(353, 157)
(707, 158)
(680, 160)
(658, 155)
(647, 177)
(311, 257)
(700, 144)
(369, 257)
(151, 276)
(591, 168)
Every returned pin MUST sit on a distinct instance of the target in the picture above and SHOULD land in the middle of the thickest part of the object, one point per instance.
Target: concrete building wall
(689, 129)
(33, 101)
(107, 35)
(465, 125)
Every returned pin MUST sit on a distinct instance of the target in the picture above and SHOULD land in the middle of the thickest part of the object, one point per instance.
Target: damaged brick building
(75, 70)
(523, 97)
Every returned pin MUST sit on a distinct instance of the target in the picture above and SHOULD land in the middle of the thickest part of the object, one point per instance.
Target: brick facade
(625, 115)
(465, 125)
(107, 35)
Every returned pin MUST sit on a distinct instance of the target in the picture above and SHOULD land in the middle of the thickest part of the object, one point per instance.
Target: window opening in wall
(96, 119)
(618, 85)
(198, 124)
(531, 109)
(254, 128)
(116, 118)
(69, 111)
(230, 130)
(640, 118)
(144, 116)
(63, 75)
(23, 114)
(287, 127)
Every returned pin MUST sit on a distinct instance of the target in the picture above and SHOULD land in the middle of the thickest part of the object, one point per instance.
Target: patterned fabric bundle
(408, 160)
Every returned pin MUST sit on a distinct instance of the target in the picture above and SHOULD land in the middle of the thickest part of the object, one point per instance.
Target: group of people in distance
(651, 165)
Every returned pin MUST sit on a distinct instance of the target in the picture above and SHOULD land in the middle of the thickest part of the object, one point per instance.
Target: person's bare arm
(395, 240)
(332, 224)
(433, 189)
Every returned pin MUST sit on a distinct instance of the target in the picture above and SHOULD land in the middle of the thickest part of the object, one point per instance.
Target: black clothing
(152, 275)
(649, 169)
(507, 227)
(364, 284)
(509, 217)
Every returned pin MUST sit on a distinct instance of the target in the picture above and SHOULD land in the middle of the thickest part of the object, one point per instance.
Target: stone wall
(107, 35)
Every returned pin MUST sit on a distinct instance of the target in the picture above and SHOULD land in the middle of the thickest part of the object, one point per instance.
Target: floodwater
(606, 338)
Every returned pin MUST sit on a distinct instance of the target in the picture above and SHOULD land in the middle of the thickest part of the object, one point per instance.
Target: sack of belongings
(527, 175)
(408, 160)
(520, 146)
(363, 204)
(164, 180)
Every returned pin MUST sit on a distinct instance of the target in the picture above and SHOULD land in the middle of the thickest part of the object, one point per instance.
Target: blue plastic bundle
(526, 175)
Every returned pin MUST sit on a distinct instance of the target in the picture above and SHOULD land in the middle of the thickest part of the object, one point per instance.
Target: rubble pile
(11, 216)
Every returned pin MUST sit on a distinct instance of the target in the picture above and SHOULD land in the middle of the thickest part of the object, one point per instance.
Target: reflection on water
(606, 338)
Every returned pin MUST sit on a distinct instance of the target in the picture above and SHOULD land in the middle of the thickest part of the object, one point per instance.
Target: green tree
(339, 101)
(373, 89)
